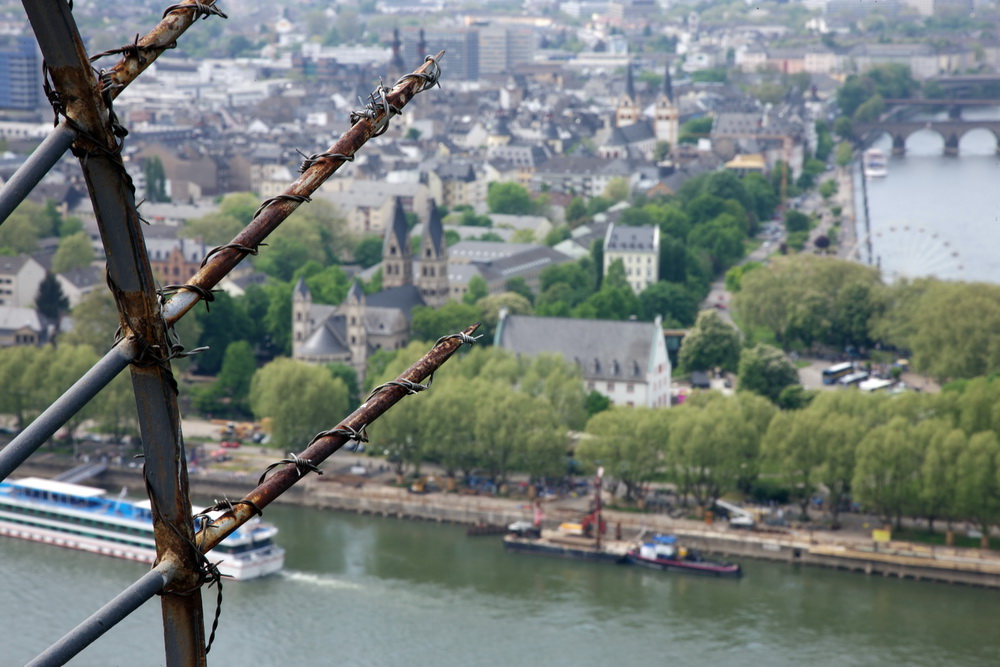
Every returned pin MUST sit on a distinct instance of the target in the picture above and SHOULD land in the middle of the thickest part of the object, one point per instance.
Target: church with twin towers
(348, 333)
(635, 128)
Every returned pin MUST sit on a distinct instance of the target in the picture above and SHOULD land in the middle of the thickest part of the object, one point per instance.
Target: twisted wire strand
(299, 464)
(202, 10)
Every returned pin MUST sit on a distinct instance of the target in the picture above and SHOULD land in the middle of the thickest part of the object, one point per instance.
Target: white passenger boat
(875, 163)
(83, 518)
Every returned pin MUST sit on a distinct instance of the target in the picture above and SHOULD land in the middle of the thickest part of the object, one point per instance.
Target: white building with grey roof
(624, 360)
(638, 248)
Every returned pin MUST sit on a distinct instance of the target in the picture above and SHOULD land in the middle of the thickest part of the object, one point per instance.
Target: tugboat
(662, 552)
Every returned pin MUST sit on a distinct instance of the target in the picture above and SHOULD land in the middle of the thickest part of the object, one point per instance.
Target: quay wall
(839, 550)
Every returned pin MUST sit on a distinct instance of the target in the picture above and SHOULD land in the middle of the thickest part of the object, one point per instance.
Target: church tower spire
(432, 279)
(627, 111)
(667, 123)
(397, 64)
(302, 324)
(397, 260)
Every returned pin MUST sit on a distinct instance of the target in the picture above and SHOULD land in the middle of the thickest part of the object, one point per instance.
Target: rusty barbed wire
(324, 444)
(273, 211)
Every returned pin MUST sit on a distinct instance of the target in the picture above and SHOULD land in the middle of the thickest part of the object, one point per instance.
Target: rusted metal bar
(136, 58)
(325, 444)
(317, 170)
(139, 55)
(131, 280)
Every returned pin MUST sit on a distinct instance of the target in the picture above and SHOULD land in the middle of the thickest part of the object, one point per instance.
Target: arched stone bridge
(951, 130)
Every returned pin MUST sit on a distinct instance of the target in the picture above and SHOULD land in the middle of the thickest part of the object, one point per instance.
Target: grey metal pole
(64, 407)
(31, 172)
(104, 618)
(131, 279)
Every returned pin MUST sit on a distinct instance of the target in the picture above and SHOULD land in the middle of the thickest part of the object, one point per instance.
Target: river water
(935, 215)
(363, 590)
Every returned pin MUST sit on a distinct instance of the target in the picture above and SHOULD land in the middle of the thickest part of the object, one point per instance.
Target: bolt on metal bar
(134, 61)
(134, 287)
(59, 412)
(105, 618)
(325, 444)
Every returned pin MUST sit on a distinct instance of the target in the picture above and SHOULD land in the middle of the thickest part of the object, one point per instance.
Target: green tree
(811, 448)
(510, 198)
(278, 318)
(968, 346)
(236, 374)
(221, 226)
(710, 448)
(18, 234)
(576, 210)
(477, 290)
(506, 443)
(327, 284)
(559, 381)
(978, 471)
(766, 371)
(429, 324)
(871, 110)
(887, 474)
(400, 434)
(95, 319)
(449, 423)
(617, 189)
(693, 130)
(711, 343)
(629, 444)
(807, 298)
(115, 414)
(56, 370)
(490, 306)
(301, 400)
(827, 189)
(156, 179)
(368, 251)
(845, 154)
(74, 252)
(50, 300)
(939, 483)
(673, 302)
(349, 377)
(228, 323)
(15, 389)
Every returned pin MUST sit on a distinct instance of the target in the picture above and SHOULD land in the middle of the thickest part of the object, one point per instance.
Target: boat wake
(314, 579)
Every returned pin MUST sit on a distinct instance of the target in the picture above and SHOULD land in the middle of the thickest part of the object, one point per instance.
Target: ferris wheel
(911, 251)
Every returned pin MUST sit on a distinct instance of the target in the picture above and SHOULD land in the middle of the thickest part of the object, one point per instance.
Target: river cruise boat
(662, 552)
(875, 163)
(84, 518)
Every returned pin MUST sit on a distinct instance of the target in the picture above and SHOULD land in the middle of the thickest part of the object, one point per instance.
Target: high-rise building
(502, 47)
(20, 74)
(460, 44)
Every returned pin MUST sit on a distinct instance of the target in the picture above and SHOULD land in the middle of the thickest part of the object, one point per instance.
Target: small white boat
(875, 163)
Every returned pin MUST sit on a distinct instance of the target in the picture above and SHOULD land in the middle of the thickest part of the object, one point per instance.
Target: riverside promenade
(852, 550)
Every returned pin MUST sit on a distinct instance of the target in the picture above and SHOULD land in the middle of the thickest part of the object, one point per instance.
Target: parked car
(230, 444)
